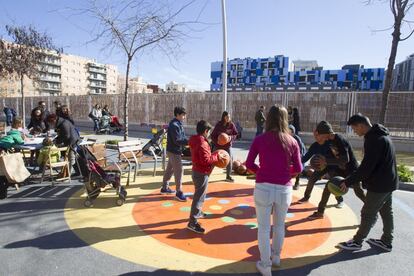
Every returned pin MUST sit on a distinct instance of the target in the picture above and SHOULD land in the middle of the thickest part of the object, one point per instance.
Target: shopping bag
(12, 166)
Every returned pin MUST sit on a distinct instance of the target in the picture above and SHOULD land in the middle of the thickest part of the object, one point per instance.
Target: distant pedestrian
(260, 120)
(225, 125)
(302, 150)
(378, 173)
(279, 161)
(176, 140)
(96, 115)
(10, 114)
(296, 120)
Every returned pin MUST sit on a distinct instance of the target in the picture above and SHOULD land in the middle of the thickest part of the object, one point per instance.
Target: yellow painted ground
(112, 229)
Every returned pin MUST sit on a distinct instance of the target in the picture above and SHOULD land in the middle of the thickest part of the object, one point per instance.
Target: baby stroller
(98, 178)
(154, 146)
(105, 125)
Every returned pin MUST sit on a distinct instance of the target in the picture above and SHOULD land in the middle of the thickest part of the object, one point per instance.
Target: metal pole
(223, 5)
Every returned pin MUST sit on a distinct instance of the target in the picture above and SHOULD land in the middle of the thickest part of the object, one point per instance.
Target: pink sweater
(274, 166)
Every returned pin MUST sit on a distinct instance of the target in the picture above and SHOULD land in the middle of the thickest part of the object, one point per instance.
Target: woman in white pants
(279, 161)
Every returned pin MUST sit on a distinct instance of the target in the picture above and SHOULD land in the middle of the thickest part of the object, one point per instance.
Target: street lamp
(223, 8)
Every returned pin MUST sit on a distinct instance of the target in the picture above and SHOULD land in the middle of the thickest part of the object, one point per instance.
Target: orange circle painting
(231, 225)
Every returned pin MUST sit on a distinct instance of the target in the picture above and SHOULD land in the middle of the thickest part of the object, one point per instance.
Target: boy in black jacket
(342, 163)
(378, 173)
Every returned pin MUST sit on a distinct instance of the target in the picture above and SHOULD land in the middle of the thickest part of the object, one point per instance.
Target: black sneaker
(180, 196)
(350, 245)
(167, 191)
(229, 179)
(303, 200)
(316, 215)
(380, 244)
(196, 227)
(296, 187)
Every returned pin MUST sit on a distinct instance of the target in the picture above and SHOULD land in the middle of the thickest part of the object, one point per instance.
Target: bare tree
(400, 9)
(137, 25)
(22, 56)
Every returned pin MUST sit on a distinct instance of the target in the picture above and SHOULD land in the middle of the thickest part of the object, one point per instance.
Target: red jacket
(201, 155)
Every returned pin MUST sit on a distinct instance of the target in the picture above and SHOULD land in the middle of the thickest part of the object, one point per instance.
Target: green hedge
(405, 174)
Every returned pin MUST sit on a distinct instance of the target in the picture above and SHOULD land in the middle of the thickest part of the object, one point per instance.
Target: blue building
(275, 73)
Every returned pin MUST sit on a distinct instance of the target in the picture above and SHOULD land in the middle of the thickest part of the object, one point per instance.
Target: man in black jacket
(260, 119)
(176, 140)
(378, 173)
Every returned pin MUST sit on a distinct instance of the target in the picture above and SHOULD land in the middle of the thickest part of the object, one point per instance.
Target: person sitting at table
(37, 123)
(14, 136)
(43, 157)
(67, 136)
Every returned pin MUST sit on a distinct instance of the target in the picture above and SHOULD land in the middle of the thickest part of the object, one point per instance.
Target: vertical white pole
(223, 5)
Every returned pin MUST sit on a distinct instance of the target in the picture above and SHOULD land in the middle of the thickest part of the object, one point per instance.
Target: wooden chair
(63, 165)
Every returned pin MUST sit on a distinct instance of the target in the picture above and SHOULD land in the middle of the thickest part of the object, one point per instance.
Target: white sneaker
(340, 205)
(265, 271)
(276, 260)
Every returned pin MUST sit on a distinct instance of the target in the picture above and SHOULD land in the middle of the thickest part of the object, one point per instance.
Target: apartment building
(275, 73)
(64, 74)
(135, 85)
(403, 75)
(173, 87)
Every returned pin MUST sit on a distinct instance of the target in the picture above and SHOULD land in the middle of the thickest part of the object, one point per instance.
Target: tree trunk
(23, 105)
(391, 61)
(126, 100)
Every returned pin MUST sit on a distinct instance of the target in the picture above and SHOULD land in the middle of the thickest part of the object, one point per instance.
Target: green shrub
(112, 142)
(405, 174)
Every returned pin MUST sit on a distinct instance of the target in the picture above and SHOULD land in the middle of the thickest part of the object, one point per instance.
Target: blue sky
(334, 32)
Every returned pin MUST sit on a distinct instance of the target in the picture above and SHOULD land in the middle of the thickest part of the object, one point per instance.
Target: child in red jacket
(203, 163)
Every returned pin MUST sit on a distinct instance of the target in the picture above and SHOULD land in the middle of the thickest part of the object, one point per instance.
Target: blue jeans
(9, 120)
(268, 197)
(259, 130)
(95, 125)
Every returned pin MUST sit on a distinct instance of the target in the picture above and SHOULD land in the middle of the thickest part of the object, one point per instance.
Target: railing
(335, 107)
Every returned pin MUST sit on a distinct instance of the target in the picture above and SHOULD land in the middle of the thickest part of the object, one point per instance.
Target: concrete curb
(406, 186)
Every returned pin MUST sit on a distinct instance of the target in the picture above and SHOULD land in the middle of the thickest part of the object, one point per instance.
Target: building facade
(275, 74)
(63, 74)
(403, 75)
(135, 85)
(173, 87)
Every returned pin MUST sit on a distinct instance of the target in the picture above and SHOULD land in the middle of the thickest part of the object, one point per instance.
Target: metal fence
(335, 107)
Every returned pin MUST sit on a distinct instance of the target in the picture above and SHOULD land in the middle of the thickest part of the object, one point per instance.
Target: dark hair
(295, 111)
(51, 117)
(57, 103)
(178, 110)
(36, 109)
(358, 119)
(202, 126)
(262, 106)
(223, 115)
(41, 102)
